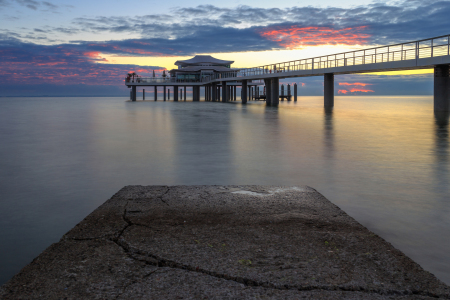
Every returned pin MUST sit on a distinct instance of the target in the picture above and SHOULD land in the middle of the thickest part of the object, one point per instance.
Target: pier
(237, 242)
(432, 53)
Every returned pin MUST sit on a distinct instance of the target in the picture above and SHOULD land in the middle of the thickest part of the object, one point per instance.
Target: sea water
(383, 160)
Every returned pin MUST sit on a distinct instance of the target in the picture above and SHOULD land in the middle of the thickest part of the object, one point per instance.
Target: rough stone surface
(221, 242)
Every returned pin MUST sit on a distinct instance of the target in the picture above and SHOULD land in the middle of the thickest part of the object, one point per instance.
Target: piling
(441, 88)
(328, 90)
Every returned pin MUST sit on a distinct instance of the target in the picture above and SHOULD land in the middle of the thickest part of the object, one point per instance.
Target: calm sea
(384, 160)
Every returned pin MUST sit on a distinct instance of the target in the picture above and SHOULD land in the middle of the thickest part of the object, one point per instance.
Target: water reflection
(441, 150)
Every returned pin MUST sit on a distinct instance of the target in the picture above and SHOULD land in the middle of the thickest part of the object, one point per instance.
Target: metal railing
(162, 80)
(432, 47)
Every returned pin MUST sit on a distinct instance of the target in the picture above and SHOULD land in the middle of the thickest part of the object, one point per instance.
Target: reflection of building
(199, 67)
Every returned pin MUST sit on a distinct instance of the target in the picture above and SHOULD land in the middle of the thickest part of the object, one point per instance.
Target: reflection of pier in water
(221, 84)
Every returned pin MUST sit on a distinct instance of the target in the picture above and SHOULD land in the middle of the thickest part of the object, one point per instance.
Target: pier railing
(163, 80)
(432, 47)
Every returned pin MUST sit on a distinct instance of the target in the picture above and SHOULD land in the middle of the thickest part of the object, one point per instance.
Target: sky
(86, 48)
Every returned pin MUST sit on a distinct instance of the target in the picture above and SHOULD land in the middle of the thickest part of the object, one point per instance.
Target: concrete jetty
(221, 242)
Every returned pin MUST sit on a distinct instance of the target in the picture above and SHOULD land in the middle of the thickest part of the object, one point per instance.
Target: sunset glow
(299, 37)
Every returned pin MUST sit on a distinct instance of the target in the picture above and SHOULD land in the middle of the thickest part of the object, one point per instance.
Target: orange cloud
(354, 87)
(352, 90)
(299, 37)
(354, 83)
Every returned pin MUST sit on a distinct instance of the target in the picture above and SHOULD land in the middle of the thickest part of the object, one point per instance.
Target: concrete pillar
(196, 93)
(133, 89)
(131, 95)
(282, 92)
(235, 90)
(275, 91)
(441, 88)
(244, 92)
(168, 94)
(164, 93)
(218, 92)
(213, 92)
(181, 94)
(143, 95)
(184, 93)
(224, 91)
(155, 93)
(175, 93)
(328, 90)
(268, 83)
(295, 92)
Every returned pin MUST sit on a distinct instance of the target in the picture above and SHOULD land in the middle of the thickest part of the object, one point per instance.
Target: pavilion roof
(203, 59)
(199, 68)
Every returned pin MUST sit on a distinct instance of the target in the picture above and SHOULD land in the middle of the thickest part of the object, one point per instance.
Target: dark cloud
(61, 64)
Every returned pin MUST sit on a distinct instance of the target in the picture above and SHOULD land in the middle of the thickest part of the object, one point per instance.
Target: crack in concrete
(161, 197)
(161, 262)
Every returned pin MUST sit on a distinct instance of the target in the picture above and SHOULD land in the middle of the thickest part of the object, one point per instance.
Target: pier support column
(155, 96)
(244, 92)
(196, 93)
(295, 92)
(268, 83)
(143, 95)
(224, 91)
(175, 93)
(235, 90)
(282, 92)
(184, 93)
(289, 92)
(133, 90)
(328, 90)
(275, 91)
(441, 88)
(164, 93)
(214, 92)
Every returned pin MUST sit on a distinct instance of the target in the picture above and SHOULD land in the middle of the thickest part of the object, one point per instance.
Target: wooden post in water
(295, 92)
(289, 92)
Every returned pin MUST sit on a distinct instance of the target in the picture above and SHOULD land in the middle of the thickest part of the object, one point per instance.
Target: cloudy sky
(87, 47)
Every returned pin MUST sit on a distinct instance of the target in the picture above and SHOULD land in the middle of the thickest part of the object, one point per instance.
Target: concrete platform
(221, 242)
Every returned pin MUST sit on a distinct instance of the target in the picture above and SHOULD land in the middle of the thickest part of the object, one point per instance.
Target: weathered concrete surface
(221, 242)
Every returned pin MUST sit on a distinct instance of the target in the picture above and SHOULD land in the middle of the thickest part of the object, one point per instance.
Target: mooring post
(275, 91)
(441, 88)
(328, 90)
(295, 92)
(134, 93)
(268, 83)
(155, 93)
(289, 92)
(184, 93)
(244, 92)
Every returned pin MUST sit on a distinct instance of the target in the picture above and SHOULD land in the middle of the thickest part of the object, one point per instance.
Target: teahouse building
(199, 67)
